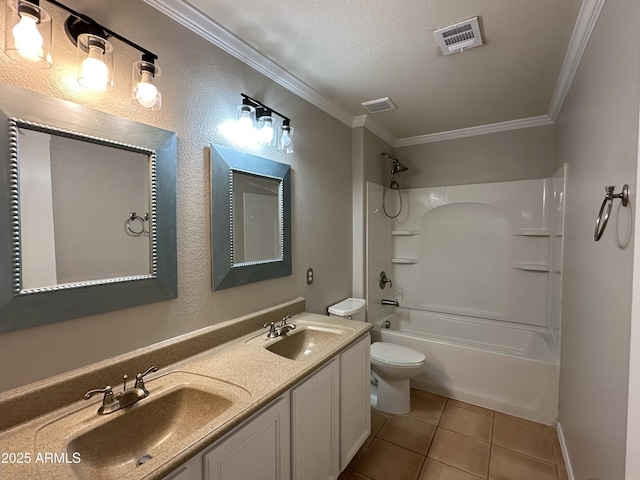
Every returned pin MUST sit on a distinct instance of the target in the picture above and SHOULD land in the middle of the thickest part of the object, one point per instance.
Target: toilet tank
(351, 308)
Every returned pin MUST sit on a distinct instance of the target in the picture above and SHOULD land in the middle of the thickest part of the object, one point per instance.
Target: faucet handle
(272, 329)
(283, 322)
(140, 382)
(108, 398)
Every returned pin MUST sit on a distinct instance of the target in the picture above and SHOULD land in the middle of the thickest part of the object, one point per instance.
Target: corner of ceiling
(188, 16)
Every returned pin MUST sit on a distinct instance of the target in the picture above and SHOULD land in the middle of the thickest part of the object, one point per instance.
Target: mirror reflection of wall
(75, 197)
(257, 229)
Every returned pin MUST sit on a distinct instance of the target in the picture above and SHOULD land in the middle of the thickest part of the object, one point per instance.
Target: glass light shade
(95, 63)
(267, 130)
(285, 138)
(27, 33)
(246, 120)
(144, 91)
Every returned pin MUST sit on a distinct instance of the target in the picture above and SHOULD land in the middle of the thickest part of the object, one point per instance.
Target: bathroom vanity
(227, 402)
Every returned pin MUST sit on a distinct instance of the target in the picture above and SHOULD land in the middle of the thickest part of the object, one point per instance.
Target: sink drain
(143, 459)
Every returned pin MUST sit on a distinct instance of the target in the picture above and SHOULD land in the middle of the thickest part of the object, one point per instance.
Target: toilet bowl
(391, 365)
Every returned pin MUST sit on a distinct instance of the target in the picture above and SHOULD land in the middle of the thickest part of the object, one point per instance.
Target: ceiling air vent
(460, 36)
(380, 105)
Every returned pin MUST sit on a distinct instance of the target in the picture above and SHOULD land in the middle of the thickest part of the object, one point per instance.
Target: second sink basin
(305, 342)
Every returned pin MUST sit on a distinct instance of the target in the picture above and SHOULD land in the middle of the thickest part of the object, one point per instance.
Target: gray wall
(497, 157)
(201, 87)
(367, 165)
(597, 138)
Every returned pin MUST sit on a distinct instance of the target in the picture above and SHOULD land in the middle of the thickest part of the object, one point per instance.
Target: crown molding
(473, 131)
(196, 21)
(585, 23)
(193, 19)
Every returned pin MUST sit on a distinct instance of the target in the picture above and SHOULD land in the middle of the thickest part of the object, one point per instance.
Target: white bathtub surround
(511, 369)
(477, 270)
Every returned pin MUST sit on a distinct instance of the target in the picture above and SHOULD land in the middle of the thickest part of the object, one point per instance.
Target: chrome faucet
(112, 403)
(280, 328)
(390, 302)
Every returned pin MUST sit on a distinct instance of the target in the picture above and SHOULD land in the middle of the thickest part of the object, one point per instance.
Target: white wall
(201, 87)
(597, 138)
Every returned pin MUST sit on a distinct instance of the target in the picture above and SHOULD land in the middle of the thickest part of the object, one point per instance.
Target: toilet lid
(393, 354)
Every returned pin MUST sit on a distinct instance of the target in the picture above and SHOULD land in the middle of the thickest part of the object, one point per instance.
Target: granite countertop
(224, 367)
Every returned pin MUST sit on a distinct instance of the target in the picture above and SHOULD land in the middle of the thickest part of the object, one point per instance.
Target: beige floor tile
(522, 436)
(426, 406)
(558, 459)
(467, 422)
(377, 421)
(433, 470)
(386, 461)
(562, 472)
(460, 451)
(506, 465)
(408, 432)
(360, 453)
(345, 474)
(358, 476)
(470, 406)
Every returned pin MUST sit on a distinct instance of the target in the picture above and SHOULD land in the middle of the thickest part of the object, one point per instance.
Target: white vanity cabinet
(355, 403)
(260, 449)
(190, 470)
(315, 425)
(311, 432)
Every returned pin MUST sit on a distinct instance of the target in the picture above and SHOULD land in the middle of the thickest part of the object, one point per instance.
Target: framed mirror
(250, 218)
(87, 211)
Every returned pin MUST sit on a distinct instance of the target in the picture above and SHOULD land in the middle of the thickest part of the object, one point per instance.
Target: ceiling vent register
(381, 105)
(460, 36)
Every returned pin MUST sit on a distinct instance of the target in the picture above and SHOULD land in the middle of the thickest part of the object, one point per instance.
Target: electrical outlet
(309, 276)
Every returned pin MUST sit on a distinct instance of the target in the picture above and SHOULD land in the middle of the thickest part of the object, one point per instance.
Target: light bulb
(285, 140)
(27, 38)
(245, 123)
(146, 91)
(265, 134)
(95, 73)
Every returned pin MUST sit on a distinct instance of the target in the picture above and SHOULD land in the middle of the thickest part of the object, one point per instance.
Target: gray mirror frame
(224, 161)
(27, 308)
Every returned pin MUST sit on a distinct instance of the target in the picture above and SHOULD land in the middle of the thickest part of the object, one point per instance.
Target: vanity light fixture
(27, 33)
(28, 39)
(264, 129)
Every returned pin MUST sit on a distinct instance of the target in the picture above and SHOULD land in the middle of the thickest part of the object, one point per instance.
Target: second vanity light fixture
(28, 40)
(255, 119)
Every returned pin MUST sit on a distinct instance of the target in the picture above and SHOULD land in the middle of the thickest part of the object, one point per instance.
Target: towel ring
(133, 217)
(601, 221)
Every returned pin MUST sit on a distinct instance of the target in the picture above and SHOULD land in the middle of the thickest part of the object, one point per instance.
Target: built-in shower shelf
(532, 267)
(405, 260)
(533, 232)
(405, 232)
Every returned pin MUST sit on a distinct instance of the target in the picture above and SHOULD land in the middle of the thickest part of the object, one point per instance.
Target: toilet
(391, 365)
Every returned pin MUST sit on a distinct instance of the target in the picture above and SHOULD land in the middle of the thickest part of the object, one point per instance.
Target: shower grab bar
(601, 221)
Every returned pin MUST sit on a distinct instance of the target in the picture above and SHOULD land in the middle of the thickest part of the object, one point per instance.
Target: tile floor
(444, 439)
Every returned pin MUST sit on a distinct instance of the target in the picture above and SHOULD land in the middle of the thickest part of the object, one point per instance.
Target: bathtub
(510, 368)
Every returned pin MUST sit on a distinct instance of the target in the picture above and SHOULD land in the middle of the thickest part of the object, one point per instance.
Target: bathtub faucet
(390, 302)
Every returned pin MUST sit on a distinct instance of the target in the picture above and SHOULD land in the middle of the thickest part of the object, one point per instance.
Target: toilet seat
(395, 355)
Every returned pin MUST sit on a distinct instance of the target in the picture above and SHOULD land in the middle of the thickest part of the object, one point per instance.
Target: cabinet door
(355, 404)
(315, 425)
(190, 470)
(260, 449)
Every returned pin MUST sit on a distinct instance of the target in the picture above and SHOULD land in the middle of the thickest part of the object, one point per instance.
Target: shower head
(395, 165)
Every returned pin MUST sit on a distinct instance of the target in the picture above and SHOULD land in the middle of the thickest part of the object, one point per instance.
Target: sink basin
(115, 445)
(306, 342)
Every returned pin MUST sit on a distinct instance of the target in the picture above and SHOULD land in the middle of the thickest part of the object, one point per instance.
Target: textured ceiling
(361, 50)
